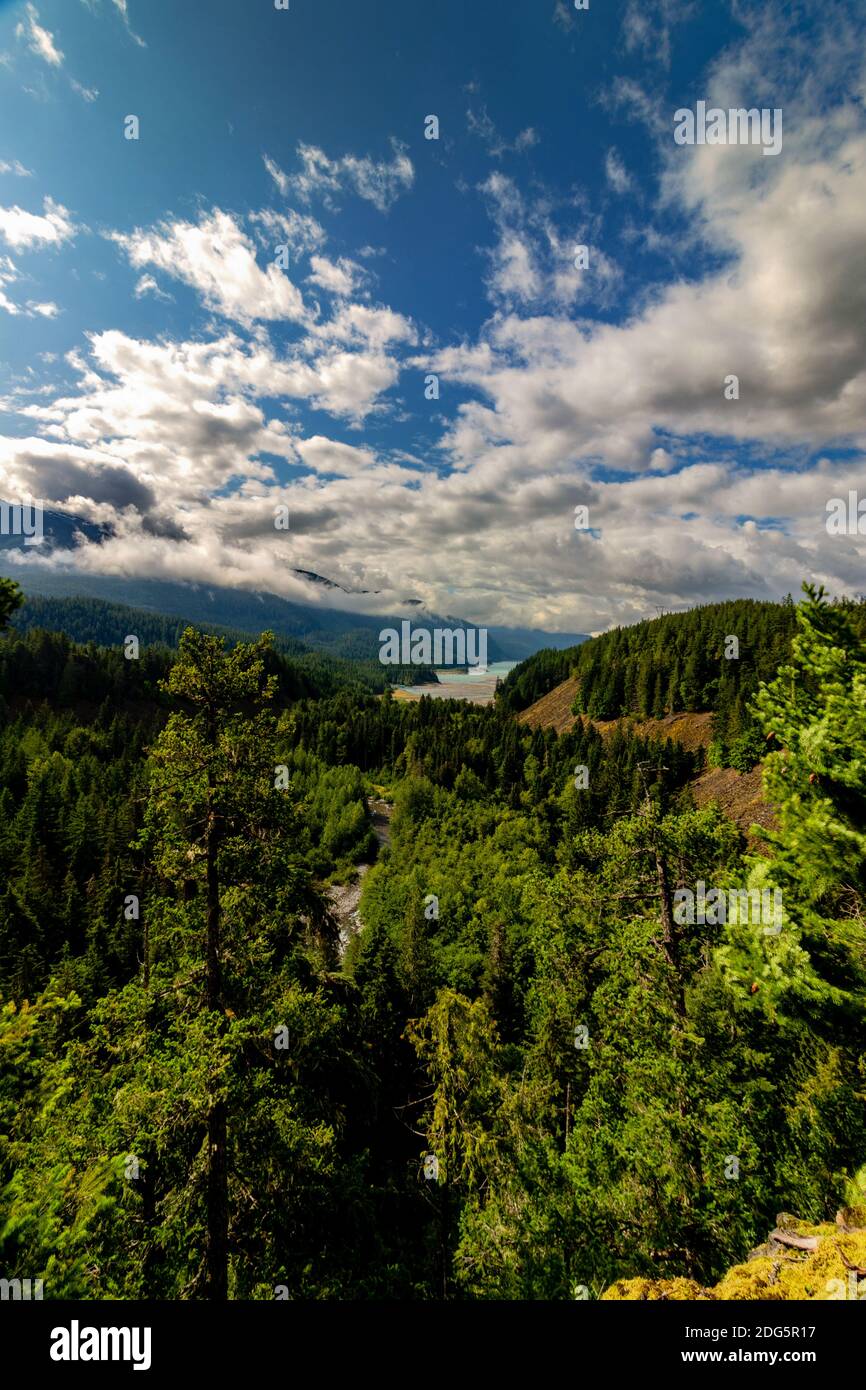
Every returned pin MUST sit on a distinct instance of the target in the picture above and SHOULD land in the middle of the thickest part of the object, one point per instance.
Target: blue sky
(164, 375)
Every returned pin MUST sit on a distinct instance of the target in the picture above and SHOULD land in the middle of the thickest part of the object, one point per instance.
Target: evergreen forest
(515, 1073)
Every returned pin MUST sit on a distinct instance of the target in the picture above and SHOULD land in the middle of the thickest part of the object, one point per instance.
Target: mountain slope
(340, 632)
(553, 710)
(89, 620)
(739, 794)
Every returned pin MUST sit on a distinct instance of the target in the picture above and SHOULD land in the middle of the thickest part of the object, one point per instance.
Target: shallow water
(462, 685)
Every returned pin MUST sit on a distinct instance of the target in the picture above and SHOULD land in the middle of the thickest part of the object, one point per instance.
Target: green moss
(675, 1289)
(789, 1274)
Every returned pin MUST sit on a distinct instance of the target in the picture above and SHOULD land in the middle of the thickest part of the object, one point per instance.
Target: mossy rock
(784, 1274)
(638, 1289)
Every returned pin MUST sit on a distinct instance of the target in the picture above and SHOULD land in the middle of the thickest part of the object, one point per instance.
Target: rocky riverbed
(345, 898)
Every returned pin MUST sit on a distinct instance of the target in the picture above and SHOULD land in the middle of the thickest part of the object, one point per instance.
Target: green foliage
(609, 1093)
(11, 598)
(303, 670)
(815, 712)
(526, 683)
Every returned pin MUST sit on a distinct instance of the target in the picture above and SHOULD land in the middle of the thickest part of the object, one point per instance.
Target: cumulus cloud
(346, 383)
(331, 456)
(365, 325)
(297, 230)
(183, 447)
(15, 167)
(218, 260)
(341, 277)
(65, 475)
(45, 309)
(23, 230)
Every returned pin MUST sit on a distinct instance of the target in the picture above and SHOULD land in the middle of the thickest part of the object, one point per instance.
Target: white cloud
(15, 167)
(23, 230)
(692, 497)
(33, 308)
(280, 179)
(616, 173)
(379, 182)
(156, 429)
(649, 32)
(8, 275)
(297, 230)
(145, 285)
(564, 15)
(532, 263)
(218, 260)
(46, 310)
(331, 456)
(123, 7)
(340, 277)
(86, 93)
(348, 383)
(480, 123)
(39, 40)
(514, 274)
(365, 325)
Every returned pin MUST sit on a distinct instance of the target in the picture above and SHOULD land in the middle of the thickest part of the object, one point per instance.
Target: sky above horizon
(242, 309)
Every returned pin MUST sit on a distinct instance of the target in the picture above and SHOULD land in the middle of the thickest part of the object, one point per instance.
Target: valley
(427, 937)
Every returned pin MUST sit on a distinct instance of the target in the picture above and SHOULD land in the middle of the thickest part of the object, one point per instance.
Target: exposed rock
(344, 899)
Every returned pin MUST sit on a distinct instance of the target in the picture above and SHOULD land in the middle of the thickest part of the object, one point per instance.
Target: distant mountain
(304, 671)
(526, 641)
(354, 636)
(58, 530)
(313, 578)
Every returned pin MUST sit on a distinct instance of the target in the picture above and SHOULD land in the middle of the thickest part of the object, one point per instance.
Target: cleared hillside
(740, 794)
(690, 730)
(553, 710)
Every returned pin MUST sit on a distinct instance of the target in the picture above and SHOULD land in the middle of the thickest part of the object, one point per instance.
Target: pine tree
(211, 767)
(11, 599)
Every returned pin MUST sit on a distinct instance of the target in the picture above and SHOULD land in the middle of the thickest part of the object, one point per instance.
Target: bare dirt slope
(691, 730)
(553, 710)
(739, 794)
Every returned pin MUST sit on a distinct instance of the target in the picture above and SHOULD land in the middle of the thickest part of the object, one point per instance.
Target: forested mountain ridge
(524, 1077)
(738, 792)
(710, 659)
(94, 621)
(664, 664)
(337, 632)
